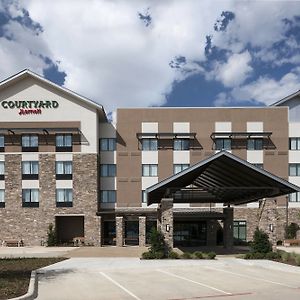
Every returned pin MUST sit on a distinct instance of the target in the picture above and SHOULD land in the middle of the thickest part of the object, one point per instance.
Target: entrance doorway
(69, 227)
(190, 233)
(109, 233)
(131, 233)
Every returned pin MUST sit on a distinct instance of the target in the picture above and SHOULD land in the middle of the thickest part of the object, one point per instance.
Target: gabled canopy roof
(221, 178)
(282, 101)
(24, 73)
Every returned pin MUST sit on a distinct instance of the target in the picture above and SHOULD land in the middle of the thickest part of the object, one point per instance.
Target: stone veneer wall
(31, 224)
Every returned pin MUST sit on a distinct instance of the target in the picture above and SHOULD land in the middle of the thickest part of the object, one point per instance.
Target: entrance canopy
(221, 178)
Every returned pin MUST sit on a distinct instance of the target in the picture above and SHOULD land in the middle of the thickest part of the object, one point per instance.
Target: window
(2, 200)
(108, 170)
(149, 170)
(64, 170)
(30, 170)
(261, 166)
(181, 144)
(255, 144)
(1, 143)
(30, 143)
(240, 230)
(64, 142)
(295, 143)
(64, 197)
(149, 144)
(30, 197)
(179, 167)
(107, 144)
(295, 197)
(294, 169)
(144, 196)
(2, 170)
(223, 144)
(108, 196)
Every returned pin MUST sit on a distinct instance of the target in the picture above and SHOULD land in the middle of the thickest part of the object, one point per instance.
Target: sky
(143, 53)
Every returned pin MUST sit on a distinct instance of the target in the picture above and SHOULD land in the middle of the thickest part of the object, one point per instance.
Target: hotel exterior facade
(63, 163)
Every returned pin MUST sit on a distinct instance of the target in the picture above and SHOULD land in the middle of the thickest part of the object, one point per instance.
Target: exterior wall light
(271, 227)
(167, 227)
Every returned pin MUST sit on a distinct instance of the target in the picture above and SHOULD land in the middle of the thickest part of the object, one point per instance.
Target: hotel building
(63, 163)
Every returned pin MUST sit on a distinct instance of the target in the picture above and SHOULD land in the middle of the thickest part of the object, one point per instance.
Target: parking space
(173, 280)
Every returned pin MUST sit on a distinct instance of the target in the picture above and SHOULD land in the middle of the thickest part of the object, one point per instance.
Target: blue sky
(157, 53)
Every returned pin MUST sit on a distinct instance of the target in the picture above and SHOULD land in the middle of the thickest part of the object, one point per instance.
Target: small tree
(291, 231)
(51, 235)
(260, 243)
(157, 243)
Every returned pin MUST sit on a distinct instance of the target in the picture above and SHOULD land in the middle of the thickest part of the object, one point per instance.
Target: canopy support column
(228, 227)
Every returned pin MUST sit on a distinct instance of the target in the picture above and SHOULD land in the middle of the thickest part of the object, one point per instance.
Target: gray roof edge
(279, 102)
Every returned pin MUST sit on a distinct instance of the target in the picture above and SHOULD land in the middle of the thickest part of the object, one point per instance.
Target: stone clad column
(99, 226)
(142, 231)
(166, 219)
(228, 227)
(119, 231)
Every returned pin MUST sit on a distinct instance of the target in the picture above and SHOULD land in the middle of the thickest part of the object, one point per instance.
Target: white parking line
(196, 282)
(120, 286)
(251, 277)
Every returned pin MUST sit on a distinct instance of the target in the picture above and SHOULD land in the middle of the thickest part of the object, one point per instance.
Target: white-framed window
(108, 196)
(2, 195)
(30, 167)
(294, 143)
(30, 141)
(2, 170)
(149, 170)
(2, 142)
(181, 144)
(64, 169)
(149, 144)
(107, 144)
(63, 142)
(108, 170)
(294, 169)
(223, 144)
(64, 195)
(255, 144)
(144, 196)
(30, 197)
(179, 167)
(240, 230)
(294, 197)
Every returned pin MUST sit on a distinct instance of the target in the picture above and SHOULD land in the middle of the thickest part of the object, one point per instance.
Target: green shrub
(51, 236)
(297, 259)
(260, 243)
(173, 255)
(272, 255)
(211, 255)
(159, 255)
(186, 255)
(148, 255)
(255, 255)
(291, 231)
(157, 243)
(285, 256)
(248, 255)
(198, 255)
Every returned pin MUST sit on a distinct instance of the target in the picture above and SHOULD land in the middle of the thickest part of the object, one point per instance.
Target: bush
(255, 255)
(173, 255)
(186, 255)
(211, 255)
(51, 236)
(285, 256)
(260, 243)
(159, 255)
(297, 259)
(291, 231)
(198, 255)
(272, 255)
(157, 241)
(148, 255)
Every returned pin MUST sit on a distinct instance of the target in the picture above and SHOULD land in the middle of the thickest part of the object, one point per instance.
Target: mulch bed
(15, 274)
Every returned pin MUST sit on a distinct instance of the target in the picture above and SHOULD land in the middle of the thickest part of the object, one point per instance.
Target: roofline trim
(285, 99)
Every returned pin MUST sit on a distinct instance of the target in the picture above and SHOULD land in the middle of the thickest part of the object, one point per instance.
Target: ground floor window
(109, 232)
(240, 230)
(131, 232)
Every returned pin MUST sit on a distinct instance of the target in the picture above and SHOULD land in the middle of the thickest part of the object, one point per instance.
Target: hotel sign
(30, 107)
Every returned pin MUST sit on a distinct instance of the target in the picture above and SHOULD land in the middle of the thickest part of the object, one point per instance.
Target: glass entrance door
(190, 233)
(109, 233)
(131, 233)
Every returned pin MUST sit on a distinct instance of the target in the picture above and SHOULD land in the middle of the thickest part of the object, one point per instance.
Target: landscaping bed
(15, 274)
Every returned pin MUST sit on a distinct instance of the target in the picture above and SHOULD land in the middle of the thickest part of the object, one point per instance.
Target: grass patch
(15, 274)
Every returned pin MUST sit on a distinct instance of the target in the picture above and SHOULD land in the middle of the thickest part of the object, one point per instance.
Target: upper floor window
(255, 144)
(108, 196)
(30, 198)
(181, 144)
(108, 170)
(1, 143)
(149, 144)
(64, 197)
(149, 170)
(2, 170)
(179, 167)
(63, 169)
(144, 196)
(107, 144)
(294, 169)
(2, 200)
(223, 144)
(64, 142)
(30, 170)
(295, 197)
(294, 143)
(30, 143)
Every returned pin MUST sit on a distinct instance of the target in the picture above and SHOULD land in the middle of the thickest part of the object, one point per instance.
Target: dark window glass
(64, 197)
(107, 144)
(181, 144)
(149, 170)
(223, 144)
(240, 230)
(179, 167)
(30, 197)
(108, 170)
(1, 143)
(30, 169)
(295, 197)
(30, 143)
(294, 169)
(63, 142)
(255, 144)
(108, 196)
(64, 170)
(149, 145)
(294, 143)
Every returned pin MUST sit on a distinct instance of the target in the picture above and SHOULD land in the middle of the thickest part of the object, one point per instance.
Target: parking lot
(131, 278)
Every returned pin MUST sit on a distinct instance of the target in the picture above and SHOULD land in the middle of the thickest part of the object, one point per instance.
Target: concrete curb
(32, 289)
